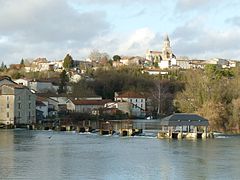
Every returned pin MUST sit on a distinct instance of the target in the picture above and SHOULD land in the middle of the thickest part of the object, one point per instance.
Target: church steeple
(166, 38)
(166, 50)
(166, 42)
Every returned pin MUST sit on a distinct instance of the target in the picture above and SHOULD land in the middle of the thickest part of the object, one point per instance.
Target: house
(152, 71)
(134, 60)
(6, 80)
(62, 102)
(197, 64)
(85, 106)
(42, 86)
(137, 100)
(124, 107)
(23, 81)
(17, 105)
(53, 101)
(232, 64)
(42, 105)
(15, 66)
(183, 63)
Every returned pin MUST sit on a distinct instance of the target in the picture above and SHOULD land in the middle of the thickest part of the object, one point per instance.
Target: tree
(63, 82)
(3, 67)
(99, 57)
(155, 64)
(95, 56)
(81, 89)
(235, 120)
(216, 113)
(162, 95)
(116, 58)
(68, 61)
(22, 63)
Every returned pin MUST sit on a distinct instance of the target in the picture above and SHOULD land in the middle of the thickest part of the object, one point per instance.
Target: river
(66, 155)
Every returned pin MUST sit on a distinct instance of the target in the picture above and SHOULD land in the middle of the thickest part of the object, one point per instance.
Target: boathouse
(183, 125)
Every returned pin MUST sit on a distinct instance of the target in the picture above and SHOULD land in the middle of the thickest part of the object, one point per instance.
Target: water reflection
(32, 155)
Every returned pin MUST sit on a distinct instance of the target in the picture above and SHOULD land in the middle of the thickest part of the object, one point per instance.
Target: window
(7, 105)
(29, 115)
(141, 100)
(7, 98)
(136, 100)
(7, 114)
(141, 105)
(19, 105)
(19, 98)
(29, 105)
(29, 97)
(130, 100)
(19, 114)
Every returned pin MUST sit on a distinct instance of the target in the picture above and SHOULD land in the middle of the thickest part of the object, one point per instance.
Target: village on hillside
(99, 87)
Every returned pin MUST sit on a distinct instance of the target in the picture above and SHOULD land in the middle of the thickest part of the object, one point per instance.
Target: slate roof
(184, 119)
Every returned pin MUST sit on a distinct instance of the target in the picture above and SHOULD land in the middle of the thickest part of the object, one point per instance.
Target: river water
(66, 155)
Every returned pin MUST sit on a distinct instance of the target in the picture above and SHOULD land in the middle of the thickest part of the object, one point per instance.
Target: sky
(201, 29)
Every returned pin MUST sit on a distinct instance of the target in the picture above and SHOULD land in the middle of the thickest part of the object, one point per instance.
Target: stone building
(17, 105)
(164, 58)
(137, 101)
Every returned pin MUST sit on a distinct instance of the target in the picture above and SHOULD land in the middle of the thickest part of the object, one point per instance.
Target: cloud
(233, 20)
(50, 23)
(49, 20)
(196, 39)
(138, 42)
(190, 29)
(190, 4)
(137, 14)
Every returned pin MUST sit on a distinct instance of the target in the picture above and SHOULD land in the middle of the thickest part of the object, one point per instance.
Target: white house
(137, 100)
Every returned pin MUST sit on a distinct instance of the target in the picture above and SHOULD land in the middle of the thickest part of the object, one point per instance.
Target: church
(163, 59)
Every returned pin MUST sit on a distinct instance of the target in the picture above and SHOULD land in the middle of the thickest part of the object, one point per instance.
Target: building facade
(85, 106)
(17, 105)
(137, 101)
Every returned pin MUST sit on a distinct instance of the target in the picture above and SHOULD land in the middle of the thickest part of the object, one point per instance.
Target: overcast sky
(53, 28)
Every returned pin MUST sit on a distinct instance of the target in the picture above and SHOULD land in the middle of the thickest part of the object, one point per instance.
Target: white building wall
(22, 81)
(164, 64)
